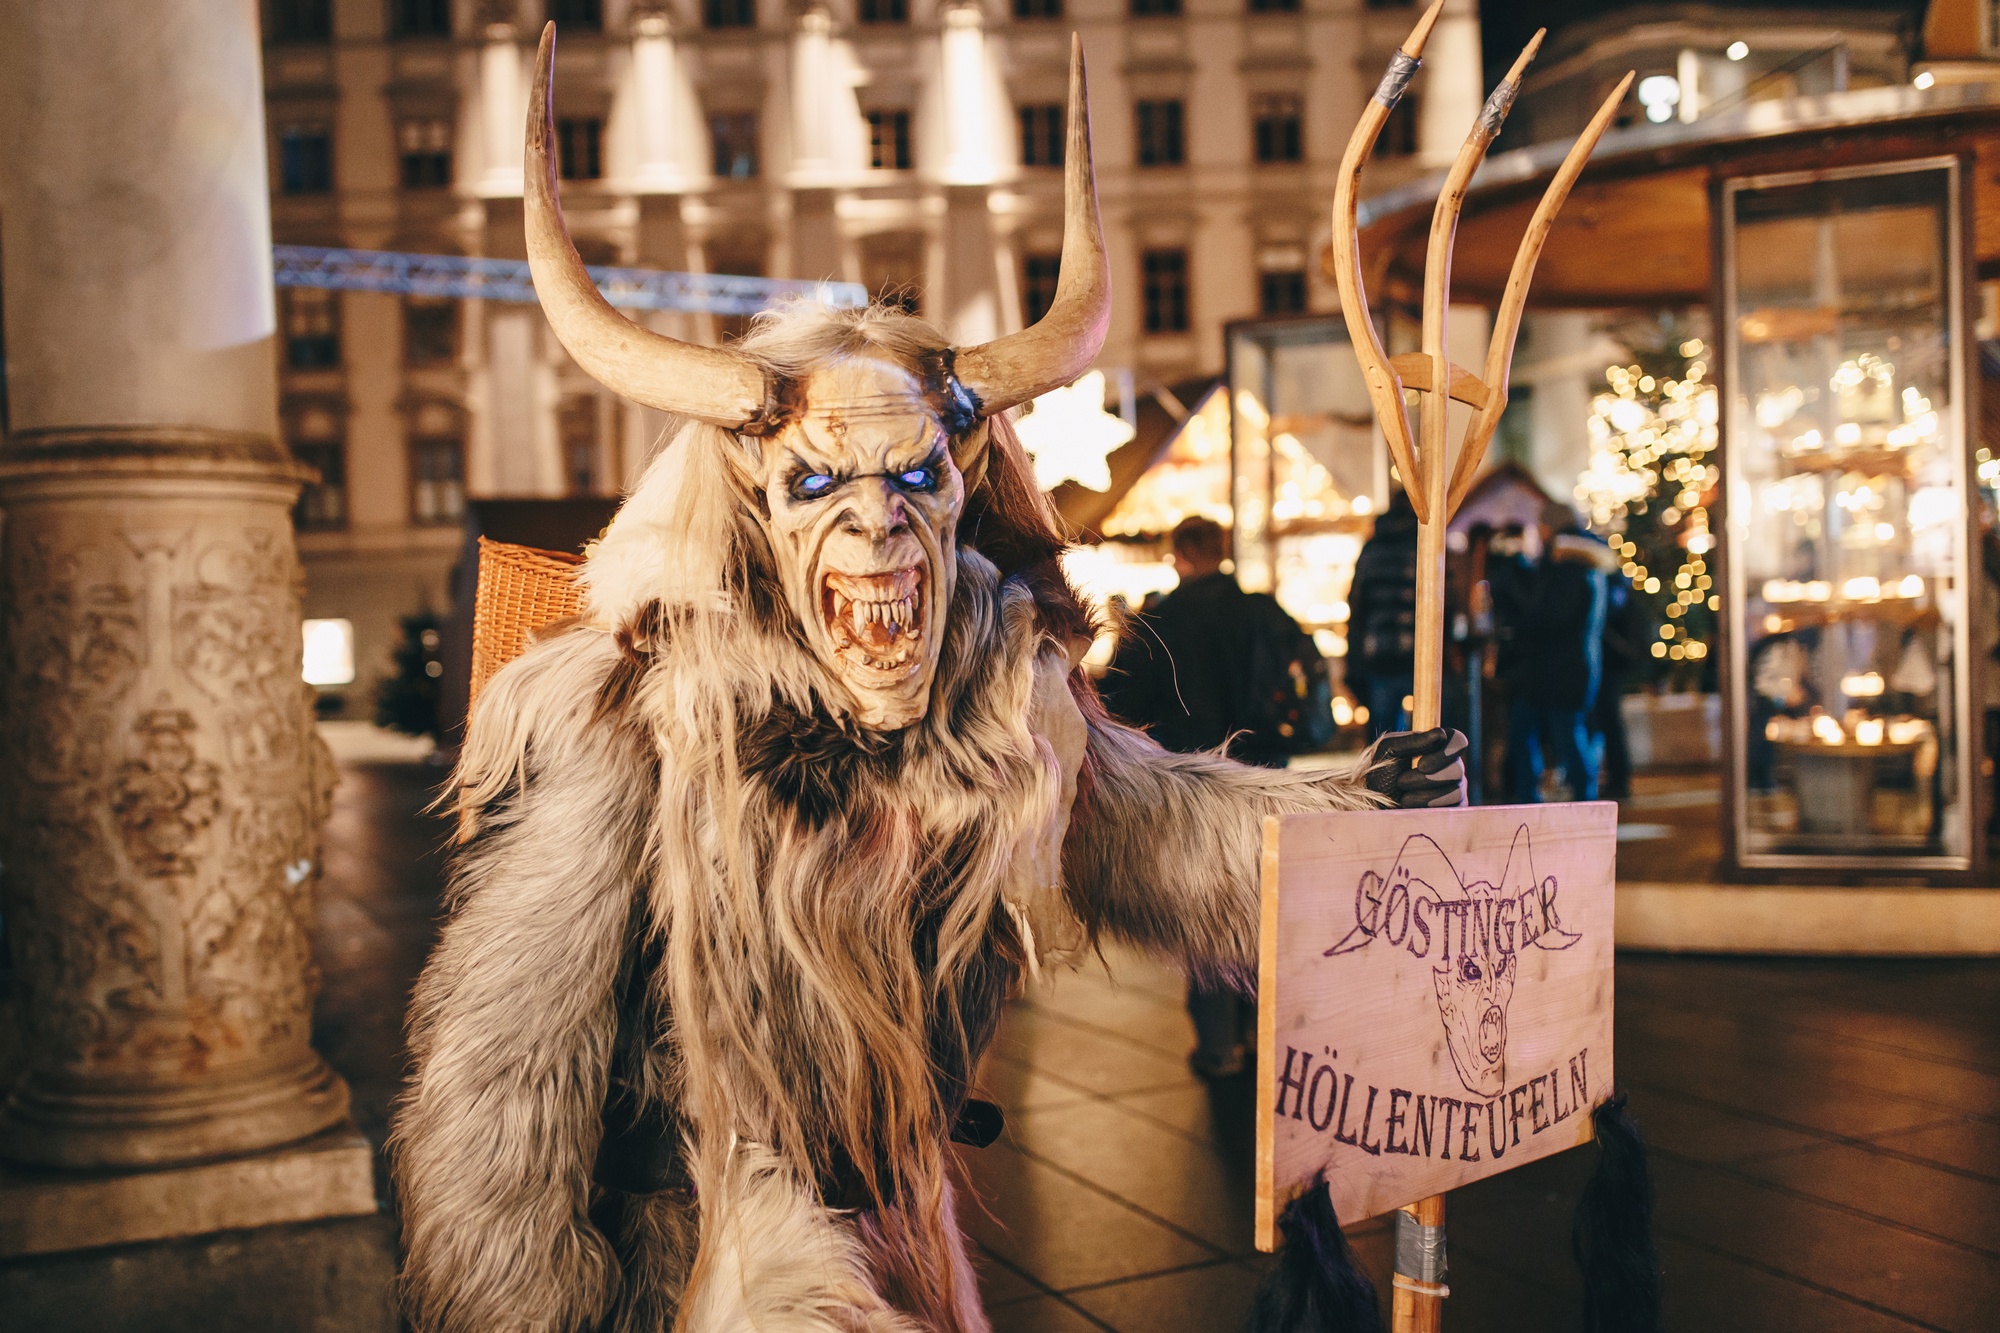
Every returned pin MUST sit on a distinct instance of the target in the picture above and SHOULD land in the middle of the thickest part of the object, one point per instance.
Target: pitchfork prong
(1385, 387)
(1437, 277)
(1507, 316)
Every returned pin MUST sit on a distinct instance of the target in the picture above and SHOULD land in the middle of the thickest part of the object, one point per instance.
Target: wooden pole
(1435, 485)
(1419, 1296)
(1418, 1307)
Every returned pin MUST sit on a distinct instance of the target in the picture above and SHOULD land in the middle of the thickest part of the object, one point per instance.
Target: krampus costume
(752, 852)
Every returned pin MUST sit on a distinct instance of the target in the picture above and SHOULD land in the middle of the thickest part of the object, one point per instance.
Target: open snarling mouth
(1492, 1034)
(876, 621)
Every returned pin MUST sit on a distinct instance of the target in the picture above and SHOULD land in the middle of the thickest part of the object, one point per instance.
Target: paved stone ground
(1826, 1139)
(1825, 1142)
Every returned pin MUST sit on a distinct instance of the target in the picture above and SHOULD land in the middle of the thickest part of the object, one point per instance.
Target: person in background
(1382, 618)
(1468, 649)
(1553, 607)
(1180, 672)
(1510, 572)
(1628, 635)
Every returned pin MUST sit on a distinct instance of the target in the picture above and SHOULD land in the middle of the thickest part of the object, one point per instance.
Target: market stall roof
(1636, 229)
(1162, 413)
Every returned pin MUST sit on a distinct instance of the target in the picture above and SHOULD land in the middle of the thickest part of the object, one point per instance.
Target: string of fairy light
(1651, 438)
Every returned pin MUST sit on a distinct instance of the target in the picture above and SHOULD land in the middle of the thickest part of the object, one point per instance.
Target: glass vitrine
(1307, 467)
(1846, 486)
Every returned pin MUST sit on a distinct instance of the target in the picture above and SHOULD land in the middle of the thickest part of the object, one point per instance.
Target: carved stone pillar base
(94, 1124)
(48, 1212)
(161, 795)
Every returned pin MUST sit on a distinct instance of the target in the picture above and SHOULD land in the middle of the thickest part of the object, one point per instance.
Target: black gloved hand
(1418, 770)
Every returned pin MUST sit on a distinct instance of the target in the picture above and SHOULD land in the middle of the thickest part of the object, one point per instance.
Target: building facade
(912, 146)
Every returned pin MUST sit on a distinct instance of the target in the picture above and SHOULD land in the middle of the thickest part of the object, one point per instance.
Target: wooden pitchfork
(1435, 483)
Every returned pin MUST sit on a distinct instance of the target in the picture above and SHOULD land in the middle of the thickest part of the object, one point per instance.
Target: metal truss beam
(508, 280)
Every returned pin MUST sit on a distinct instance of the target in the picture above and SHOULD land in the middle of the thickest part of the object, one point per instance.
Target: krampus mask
(862, 464)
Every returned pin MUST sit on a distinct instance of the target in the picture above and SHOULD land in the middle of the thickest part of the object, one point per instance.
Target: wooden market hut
(1666, 217)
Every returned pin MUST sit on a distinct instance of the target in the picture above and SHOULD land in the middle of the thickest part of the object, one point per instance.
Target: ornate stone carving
(161, 794)
(165, 799)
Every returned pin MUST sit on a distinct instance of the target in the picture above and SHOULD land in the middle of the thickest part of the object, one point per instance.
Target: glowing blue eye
(817, 483)
(918, 479)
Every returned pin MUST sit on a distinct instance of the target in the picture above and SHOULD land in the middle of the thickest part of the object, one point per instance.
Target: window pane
(322, 504)
(1160, 133)
(1276, 126)
(729, 13)
(733, 137)
(425, 149)
(305, 160)
(437, 480)
(430, 330)
(1038, 9)
(1041, 136)
(1155, 8)
(576, 425)
(312, 332)
(578, 143)
(1283, 293)
(1399, 132)
(301, 20)
(1038, 285)
(585, 14)
(421, 18)
(1165, 291)
(889, 140)
(883, 11)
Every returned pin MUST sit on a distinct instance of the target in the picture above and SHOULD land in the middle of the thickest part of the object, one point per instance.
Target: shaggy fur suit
(686, 891)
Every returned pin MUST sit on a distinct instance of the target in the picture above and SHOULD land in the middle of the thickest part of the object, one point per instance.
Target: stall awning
(1636, 230)
(1162, 414)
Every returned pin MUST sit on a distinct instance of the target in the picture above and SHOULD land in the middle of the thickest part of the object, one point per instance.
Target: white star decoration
(1070, 435)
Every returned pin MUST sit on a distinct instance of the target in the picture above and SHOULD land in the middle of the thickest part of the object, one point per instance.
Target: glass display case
(1846, 484)
(1308, 468)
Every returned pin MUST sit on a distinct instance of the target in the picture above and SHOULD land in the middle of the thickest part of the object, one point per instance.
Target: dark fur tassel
(1612, 1233)
(1315, 1287)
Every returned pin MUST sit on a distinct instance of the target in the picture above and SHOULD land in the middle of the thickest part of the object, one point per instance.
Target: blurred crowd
(1542, 634)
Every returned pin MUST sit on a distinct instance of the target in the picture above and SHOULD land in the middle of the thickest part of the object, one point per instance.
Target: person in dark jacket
(1628, 633)
(1181, 669)
(1554, 613)
(1382, 618)
(1179, 673)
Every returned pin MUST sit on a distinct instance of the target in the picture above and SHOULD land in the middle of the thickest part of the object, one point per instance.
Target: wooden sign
(1434, 998)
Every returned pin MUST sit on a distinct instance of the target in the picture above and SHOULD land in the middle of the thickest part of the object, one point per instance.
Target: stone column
(161, 784)
(503, 105)
(815, 101)
(1453, 88)
(969, 304)
(658, 92)
(966, 301)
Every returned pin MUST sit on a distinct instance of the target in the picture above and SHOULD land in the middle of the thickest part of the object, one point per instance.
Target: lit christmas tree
(1648, 488)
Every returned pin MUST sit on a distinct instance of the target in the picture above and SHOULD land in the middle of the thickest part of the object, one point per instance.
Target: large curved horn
(650, 368)
(1061, 344)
